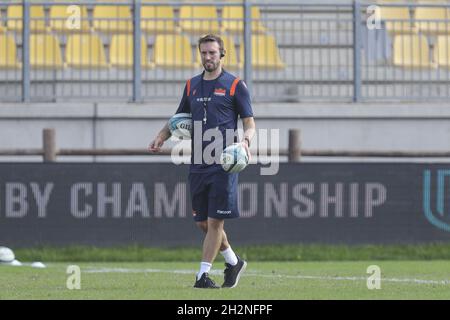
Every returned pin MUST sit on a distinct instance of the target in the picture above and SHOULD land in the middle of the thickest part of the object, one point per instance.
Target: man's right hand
(155, 145)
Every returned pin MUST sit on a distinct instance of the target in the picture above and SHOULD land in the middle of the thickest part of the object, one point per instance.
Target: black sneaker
(233, 273)
(205, 282)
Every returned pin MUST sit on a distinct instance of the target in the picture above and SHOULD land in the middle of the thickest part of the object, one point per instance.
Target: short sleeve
(184, 106)
(242, 100)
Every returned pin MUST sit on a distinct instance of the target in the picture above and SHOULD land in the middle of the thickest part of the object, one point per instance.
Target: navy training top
(226, 98)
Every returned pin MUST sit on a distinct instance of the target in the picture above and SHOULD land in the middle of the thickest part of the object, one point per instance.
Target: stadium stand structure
(15, 18)
(8, 52)
(412, 51)
(397, 20)
(199, 20)
(85, 51)
(112, 19)
(45, 51)
(108, 21)
(59, 16)
(121, 52)
(158, 19)
(431, 20)
(306, 52)
(442, 51)
(265, 52)
(2, 27)
(173, 51)
(232, 18)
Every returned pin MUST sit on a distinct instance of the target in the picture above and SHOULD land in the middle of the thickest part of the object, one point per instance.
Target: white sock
(204, 267)
(230, 256)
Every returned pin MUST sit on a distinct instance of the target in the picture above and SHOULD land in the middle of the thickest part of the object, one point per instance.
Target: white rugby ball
(6, 254)
(234, 158)
(180, 125)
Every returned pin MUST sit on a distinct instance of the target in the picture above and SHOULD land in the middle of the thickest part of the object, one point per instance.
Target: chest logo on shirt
(220, 92)
(205, 99)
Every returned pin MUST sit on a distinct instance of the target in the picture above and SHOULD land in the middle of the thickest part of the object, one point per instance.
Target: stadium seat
(159, 19)
(432, 20)
(2, 28)
(8, 52)
(45, 51)
(397, 20)
(412, 51)
(199, 19)
(173, 51)
(265, 53)
(442, 51)
(230, 61)
(233, 20)
(15, 17)
(121, 52)
(112, 19)
(85, 51)
(60, 14)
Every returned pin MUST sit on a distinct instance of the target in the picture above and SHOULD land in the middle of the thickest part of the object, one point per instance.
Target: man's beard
(211, 66)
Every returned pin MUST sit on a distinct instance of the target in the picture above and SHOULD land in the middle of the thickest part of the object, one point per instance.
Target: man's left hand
(245, 145)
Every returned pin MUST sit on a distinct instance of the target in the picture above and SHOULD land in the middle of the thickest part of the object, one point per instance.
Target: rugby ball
(6, 254)
(180, 125)
(234, 158)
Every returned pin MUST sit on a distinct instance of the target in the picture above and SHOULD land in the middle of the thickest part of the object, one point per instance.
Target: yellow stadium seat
(265, 53)
(45, 51)
(121, 52)
(199, 19)
(412, 51)
(230, 60)
(397, 20)
(173, 51)
(442, 51)
(424, 15)
(2, 28)
(15, 17)
(112, 18)
(71, 18)
(85, 51)
(159, 19)
(233, 20)
(8, 52)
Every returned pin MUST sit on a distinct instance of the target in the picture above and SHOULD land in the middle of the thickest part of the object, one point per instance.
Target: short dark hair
(212, 38)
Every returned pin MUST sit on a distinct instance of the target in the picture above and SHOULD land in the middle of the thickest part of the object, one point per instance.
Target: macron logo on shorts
(223, 212)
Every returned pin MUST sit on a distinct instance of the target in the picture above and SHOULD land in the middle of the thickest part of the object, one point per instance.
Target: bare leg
(203, 225)
(213, 240)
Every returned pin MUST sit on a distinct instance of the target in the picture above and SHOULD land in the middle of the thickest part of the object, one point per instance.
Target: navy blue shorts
(214, 195)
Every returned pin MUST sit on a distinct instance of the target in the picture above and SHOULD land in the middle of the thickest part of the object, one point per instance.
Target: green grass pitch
(262, 280)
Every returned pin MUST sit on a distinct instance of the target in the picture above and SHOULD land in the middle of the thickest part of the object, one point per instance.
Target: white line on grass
(258, 274)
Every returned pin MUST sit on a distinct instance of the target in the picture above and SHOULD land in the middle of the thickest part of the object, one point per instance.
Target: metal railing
(285, 51)
(293, 153)
(406, 58)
